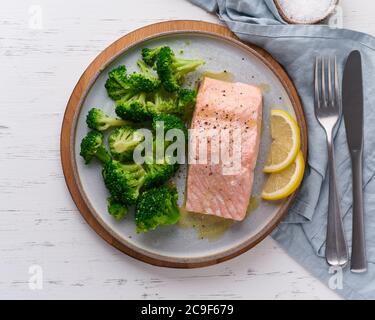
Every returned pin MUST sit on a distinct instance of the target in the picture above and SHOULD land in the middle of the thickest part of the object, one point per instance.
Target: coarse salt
(305, 11)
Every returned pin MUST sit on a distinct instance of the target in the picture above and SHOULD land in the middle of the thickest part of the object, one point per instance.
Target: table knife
(352, 105)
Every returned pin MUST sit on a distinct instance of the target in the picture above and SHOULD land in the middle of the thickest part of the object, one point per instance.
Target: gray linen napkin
(302, 234)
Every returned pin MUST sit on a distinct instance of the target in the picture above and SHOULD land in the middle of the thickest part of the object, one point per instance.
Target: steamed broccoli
(118, 84)
(141, 96)
(133, 109)
(186, 99)
(144, 81)
(116, 209)
(92, 146)
(172, 70)
(162, 104)
(97, 119)
(170, 122)
(122, 142)
(123, 181)
(121, 85)
(149, 55)
(158, 173)
(157, 207)
(177, 104)
(118, 183)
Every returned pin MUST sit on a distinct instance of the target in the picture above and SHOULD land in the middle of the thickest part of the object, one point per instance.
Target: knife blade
(352, 106)
(352, 100)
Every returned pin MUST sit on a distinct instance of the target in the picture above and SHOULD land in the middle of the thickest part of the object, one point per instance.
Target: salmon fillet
(224, 107)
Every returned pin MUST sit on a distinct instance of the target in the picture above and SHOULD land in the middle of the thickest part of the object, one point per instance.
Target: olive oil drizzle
(223, 75)
(210, 227)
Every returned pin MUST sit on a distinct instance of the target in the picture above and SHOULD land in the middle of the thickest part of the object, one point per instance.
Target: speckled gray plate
(173, 245)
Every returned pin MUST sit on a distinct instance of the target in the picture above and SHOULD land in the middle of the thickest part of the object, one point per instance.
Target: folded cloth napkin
(303, 232)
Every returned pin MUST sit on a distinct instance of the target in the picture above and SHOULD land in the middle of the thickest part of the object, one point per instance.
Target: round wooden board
(85, 82)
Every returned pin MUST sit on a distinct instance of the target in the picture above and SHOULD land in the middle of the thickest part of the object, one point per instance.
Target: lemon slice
(282, 184)
(286, 141)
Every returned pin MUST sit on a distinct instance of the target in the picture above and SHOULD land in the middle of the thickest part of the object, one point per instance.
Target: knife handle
(336, 247)
(358, 259)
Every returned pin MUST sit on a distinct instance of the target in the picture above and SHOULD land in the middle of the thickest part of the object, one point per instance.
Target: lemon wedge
(282, 184)
(286, 141)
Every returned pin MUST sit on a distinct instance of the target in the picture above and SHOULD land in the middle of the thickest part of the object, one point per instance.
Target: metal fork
(328, 112)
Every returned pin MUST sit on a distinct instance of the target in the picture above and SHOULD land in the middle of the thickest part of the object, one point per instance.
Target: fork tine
(336, 83)
(330, 83)
(324, 95)
(317, 97)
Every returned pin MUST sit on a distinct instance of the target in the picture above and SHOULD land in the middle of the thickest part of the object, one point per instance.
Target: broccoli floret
(186, 101)
(172, 70)
(116, 209)
(149, 55)
(157, 207)
(165, 170)
(178, 105)
(186, 98)
(92, 146)
(162, 104)
(118, 84)
(121, 85)
(144, 81)
(122, 142)
(133, 109)
(170, 122)
(97, 119)
(123, 181)
(157, 174)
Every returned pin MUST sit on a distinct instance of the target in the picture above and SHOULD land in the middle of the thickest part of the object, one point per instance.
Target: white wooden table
(41, 61)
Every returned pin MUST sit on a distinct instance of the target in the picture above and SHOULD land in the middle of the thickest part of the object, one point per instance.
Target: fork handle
(336, 247)
(358, 259)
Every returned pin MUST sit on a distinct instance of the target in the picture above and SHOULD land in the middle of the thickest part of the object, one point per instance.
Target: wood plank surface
(39, 222)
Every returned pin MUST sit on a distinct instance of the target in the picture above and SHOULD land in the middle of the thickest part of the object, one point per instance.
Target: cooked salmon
(224, 107)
